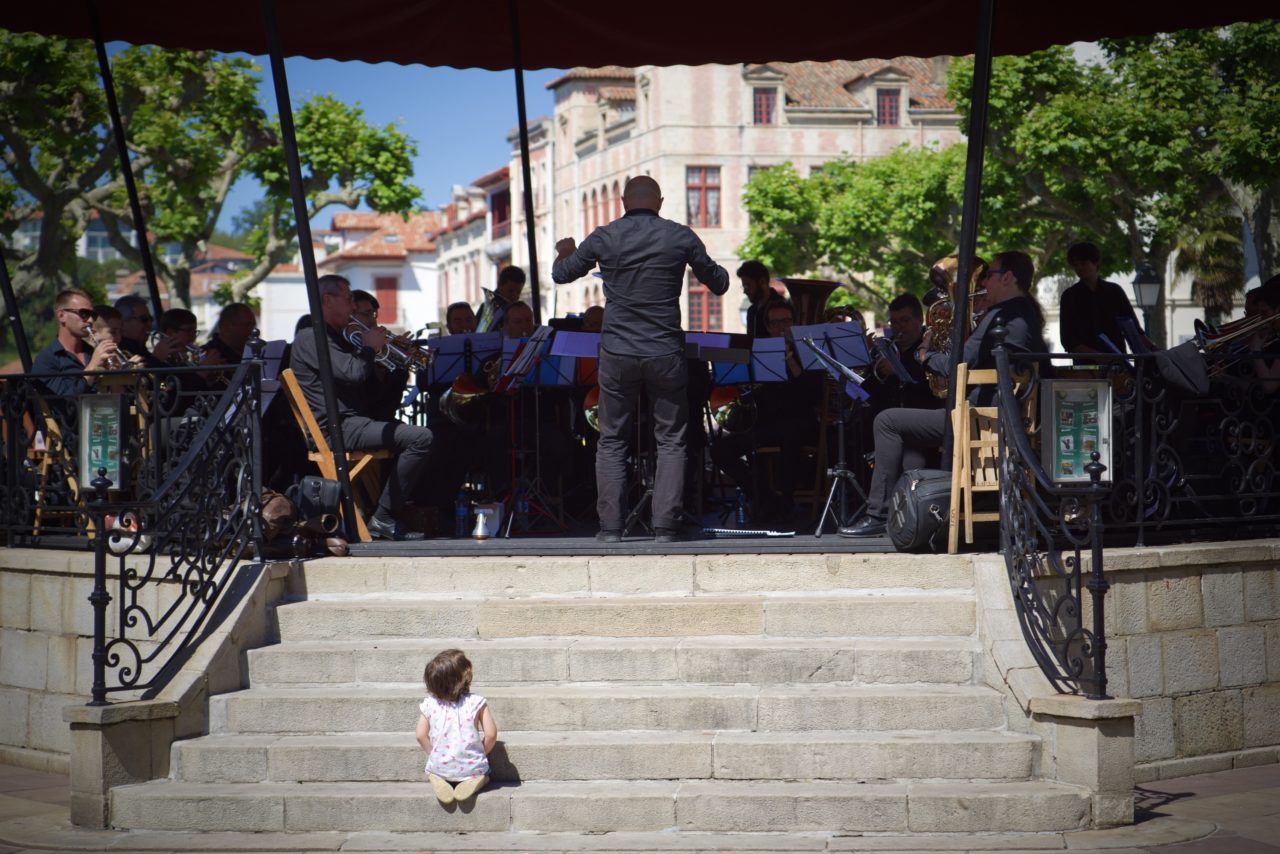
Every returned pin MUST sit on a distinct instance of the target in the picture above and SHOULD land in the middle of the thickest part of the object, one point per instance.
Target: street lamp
(1146, 290)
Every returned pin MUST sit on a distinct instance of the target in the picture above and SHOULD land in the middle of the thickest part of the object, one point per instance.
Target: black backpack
(918, 509)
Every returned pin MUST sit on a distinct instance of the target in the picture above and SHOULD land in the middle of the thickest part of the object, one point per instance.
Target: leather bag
(918, 509)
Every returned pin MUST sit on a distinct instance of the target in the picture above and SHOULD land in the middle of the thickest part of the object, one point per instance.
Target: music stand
(841, 476)
(527, 364)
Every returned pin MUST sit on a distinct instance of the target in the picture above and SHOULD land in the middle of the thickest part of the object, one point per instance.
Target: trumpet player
(353, 375)
(70, 354)
(389, 385)
(137, 323)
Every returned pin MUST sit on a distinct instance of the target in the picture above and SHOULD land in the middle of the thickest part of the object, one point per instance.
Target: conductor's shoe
(389, 529)
(666, 535)
(608, 536)
(864, 527)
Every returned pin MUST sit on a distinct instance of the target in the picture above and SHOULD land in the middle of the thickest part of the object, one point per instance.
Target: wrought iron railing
(183, 516)
(1045, 528)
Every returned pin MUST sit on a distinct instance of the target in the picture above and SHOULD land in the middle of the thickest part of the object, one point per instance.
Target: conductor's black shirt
(642, 258)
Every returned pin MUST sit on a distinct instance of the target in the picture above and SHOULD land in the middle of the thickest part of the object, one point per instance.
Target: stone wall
(46, 644)
(46, 639)
(1193, 633)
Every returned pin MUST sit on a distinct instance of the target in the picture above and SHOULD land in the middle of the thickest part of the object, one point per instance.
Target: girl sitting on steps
(455, 729)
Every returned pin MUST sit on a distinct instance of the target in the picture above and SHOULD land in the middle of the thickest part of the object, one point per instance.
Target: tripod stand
(841, 477)
(528, 499)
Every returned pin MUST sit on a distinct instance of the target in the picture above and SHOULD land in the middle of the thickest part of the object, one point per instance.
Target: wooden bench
(365, 482)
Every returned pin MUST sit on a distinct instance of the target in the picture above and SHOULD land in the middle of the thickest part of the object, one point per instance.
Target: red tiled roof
(497, 176)
(823, 84)
(217, 252)
(394, 238)
(606, 72)
(617, 93)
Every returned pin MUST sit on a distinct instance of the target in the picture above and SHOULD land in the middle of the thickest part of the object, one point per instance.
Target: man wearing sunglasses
(138, 323)
(904, 438)
(69, 355)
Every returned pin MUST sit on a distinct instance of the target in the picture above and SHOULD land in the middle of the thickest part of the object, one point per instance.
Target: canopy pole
(289, 141)
(15, 319)
(977, 143)
(525, 169)
(122, 150)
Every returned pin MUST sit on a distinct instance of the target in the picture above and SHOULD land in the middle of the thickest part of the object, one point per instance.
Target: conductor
(642, 259)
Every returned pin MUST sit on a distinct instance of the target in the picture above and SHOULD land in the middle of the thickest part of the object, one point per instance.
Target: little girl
(449, 729)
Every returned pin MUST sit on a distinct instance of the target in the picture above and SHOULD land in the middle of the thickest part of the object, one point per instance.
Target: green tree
(194, 126)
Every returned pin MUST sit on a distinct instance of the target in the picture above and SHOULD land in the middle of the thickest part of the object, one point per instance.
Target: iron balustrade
(176, 530)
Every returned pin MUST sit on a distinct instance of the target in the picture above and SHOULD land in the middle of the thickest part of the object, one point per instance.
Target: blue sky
(458, 117)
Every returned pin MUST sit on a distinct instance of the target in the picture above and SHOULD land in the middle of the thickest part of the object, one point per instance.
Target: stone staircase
(738, 694)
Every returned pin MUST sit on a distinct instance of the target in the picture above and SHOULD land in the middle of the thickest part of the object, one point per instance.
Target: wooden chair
(55, 451)
(365, 485)
(975, 465)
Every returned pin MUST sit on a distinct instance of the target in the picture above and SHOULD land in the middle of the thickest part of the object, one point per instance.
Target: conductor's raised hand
(565, 247)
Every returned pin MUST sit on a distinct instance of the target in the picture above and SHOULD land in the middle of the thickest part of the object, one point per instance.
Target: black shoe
(666, 535)
(864, 527)
(608, 536)
(389, 529)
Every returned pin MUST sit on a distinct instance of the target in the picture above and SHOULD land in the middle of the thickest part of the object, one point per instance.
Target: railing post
(1098, 585)
(100, 598)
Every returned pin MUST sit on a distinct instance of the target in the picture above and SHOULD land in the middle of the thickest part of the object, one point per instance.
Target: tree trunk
(1260, 208)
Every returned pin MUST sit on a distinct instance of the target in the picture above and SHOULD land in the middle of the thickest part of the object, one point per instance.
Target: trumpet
(111, 363)
(187, 355)
(399, 353)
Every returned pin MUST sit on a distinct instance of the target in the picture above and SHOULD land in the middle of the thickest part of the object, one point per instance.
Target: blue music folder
(549, 370)
(460, 354)
(844, 342)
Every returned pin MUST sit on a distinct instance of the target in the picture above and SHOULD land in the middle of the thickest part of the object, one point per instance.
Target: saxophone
(943, 276)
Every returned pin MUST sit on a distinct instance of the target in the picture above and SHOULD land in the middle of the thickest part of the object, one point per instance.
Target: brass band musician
(492, 313)
(353, 373)
(904, 436)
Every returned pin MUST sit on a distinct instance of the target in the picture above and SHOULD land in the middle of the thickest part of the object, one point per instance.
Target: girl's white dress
(457, 745)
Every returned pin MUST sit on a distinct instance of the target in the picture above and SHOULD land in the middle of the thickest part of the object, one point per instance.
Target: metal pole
(1098, 585)
(289, 141)
(979, 95)
(99, 598)
(525, 169)
(122, 150)
(15, 319)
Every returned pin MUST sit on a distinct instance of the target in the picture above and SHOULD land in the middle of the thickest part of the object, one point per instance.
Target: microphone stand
(841, 476)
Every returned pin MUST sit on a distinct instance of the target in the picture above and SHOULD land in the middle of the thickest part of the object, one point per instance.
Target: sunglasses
(85, 314)
(992, 271)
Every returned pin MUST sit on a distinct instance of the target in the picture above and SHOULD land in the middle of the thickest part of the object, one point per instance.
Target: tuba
(938, 320)
(491, 309)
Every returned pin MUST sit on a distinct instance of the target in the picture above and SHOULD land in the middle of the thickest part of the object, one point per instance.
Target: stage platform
(524, 545)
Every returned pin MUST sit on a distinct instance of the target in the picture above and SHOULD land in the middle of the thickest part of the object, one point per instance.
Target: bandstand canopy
(562, 33)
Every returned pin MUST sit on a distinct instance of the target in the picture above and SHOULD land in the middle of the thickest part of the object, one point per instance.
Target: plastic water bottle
(742, 510)
(460, 515)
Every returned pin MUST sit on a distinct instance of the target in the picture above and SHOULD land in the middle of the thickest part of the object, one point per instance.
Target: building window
(500, 204)
(887, 113)
(604, 204)
(706, 310)
(617, 201)
(595, 210)
(702, 189)
(764, 106)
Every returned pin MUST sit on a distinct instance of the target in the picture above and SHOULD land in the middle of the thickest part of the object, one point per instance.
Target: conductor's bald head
(642, 192)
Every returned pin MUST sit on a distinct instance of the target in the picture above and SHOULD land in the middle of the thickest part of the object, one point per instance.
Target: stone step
(709, 660)
(575, 706)
(608, 806)
(634, 755)
(866, 615)
(505, 577)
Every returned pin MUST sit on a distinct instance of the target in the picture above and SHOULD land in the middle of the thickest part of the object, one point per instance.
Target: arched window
(617, 201)
(586, 221)
(595, 210)
(604, 204)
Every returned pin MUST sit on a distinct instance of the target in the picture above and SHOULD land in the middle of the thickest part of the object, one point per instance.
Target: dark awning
(561, 33)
